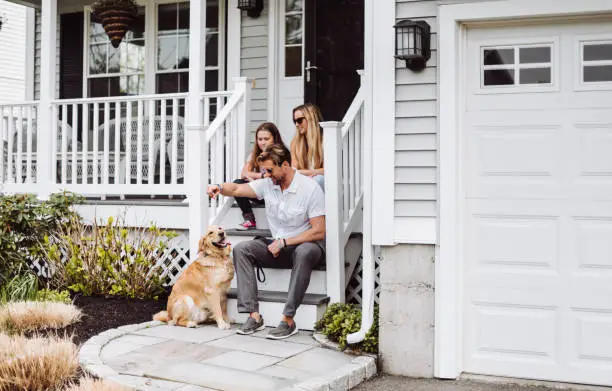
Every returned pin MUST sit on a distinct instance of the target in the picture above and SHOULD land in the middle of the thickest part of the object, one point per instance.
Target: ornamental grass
(21, 316)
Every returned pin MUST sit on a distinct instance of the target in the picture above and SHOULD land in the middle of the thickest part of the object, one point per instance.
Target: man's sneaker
(247, 225)
(283, 330)
(251, 325)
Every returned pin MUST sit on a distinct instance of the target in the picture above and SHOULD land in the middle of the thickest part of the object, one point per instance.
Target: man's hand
(275, 248)
(213, 191)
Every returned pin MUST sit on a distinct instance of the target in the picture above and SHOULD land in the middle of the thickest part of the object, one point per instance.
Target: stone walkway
(154, 356)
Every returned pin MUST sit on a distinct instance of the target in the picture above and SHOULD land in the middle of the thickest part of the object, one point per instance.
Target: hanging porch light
(116, 17)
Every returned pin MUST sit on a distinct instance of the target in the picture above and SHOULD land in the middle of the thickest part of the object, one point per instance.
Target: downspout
(368, 265)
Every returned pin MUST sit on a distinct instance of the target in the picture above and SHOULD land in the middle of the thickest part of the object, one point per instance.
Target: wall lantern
(412, 43)
(2, 21)
(252, 7)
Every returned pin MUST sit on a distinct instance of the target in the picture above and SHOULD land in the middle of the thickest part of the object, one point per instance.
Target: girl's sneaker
(247, 225)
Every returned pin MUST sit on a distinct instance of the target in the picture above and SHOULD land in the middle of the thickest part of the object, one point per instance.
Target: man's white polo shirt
(289, 212)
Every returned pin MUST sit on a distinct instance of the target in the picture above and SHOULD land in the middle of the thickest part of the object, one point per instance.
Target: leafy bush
(25, 221)
(53, 295)
(340, 320)
(107, 259)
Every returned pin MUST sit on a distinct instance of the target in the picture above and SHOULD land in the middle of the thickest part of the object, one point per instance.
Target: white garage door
(537, 153)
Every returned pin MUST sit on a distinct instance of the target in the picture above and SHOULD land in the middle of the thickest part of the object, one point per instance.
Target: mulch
(102, 313)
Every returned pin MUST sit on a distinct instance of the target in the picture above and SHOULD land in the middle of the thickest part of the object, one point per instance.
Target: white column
(197, 153)
(334, 224)
(48, 66)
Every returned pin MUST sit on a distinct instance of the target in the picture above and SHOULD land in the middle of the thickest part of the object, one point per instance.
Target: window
(119, 71)
(124, 71)
(516, 65)
(172, 68)
(294, 21)
(596, 62)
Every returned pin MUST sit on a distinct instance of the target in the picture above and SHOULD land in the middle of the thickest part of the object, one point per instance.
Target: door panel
(334, 51)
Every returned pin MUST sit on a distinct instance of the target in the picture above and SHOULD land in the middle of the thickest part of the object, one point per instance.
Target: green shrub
(53, 295)
(107, 259)
(21, 286)
(340, 320)
(24, 222)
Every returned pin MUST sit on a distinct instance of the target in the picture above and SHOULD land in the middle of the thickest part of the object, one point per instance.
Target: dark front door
(334, 53)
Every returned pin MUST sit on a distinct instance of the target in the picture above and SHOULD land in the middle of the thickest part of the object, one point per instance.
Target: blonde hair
(307, 149)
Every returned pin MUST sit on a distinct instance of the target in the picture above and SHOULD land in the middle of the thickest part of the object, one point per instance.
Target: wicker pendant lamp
(116, 16)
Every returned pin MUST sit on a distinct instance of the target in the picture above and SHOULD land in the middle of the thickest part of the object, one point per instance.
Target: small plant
(36, 364)
(24, 222)
(107, 259)
(23, 316)
(23, 285)
(53, 295)
(340, 320)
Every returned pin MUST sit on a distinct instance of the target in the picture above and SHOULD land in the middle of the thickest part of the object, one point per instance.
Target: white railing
(343, 149)
(18, 143)
(227, 142)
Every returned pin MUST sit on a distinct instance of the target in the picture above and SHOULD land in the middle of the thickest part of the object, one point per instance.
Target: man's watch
(220, 187)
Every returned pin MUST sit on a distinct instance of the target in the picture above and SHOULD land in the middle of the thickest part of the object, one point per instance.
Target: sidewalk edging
(344, 378)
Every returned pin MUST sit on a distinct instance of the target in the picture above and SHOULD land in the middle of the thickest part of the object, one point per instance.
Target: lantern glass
(412, 43)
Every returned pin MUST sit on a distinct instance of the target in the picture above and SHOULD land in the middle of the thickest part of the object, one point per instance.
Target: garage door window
(520, 65)
(596, 62)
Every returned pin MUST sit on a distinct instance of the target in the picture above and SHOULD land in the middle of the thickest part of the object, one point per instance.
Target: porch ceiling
(63, 5)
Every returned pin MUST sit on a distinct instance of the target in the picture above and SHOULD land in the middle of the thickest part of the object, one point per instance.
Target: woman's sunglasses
(299, 120)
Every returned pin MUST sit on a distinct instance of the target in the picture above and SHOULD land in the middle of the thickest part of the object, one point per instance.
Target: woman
(266, 134)
(307, 144)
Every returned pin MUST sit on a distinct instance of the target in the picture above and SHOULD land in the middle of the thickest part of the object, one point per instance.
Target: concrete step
(271, 305)
(277, 280)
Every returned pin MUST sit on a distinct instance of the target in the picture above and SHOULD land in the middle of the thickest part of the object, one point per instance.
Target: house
(16, 74)
(478, 181)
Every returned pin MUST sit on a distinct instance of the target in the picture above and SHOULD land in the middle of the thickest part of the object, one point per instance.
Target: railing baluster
(163, 140)
(11, 151)
(19, 130)
(54, 137)
(95, 143)
(117, 138)
(359, 154)
(29, 144)
(106, 159)
(352, 161)
(75, 124)
(152, 141)
(64, 135)
(174, 162)
(139, 143)
(345, 177)
(128, 142)
(3, 177)
(85, 146)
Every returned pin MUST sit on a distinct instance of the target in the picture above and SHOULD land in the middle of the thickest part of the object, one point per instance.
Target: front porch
(150, 156)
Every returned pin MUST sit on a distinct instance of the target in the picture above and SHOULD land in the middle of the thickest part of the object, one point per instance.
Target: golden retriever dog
(201, 290)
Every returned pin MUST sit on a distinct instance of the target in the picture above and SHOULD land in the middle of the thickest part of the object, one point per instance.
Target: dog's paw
(224, 325)
(172, 322)
(191, 324)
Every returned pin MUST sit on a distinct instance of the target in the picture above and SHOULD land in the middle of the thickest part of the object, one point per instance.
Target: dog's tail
(161, 316)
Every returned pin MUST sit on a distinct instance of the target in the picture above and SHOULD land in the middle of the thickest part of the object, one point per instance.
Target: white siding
(13, 43)
(254, 62)
(37, 38)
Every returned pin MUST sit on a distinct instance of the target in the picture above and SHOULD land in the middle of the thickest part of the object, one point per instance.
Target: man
(295, 208)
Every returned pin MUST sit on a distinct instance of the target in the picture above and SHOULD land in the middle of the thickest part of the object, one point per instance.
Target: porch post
(197, 151)
(334, 222)
(48, 66)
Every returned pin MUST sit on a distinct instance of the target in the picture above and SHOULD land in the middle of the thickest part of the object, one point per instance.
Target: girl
(266, 134)
(307, 144)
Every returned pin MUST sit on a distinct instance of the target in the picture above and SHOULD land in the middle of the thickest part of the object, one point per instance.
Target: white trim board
(379, 67)
(452, 19)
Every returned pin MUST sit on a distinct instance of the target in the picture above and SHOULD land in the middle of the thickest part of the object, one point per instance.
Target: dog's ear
(202, 244)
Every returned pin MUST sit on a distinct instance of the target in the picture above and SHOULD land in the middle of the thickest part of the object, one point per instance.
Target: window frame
(151, 34)
(283, 37)
(516, 44)
(580, 41)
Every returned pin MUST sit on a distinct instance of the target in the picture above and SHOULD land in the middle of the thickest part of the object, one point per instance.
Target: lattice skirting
(354, 289)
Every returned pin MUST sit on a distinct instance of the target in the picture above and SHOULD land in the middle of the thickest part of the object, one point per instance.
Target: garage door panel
(536, 208)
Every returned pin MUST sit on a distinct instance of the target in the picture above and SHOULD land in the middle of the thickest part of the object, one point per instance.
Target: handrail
(352, 111)
(223, 114)
(123, 98)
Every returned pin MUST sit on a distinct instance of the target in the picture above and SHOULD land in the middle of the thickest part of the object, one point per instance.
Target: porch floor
(155, 356)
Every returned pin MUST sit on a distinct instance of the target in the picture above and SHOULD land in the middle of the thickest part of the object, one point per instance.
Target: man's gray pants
(302, 259)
